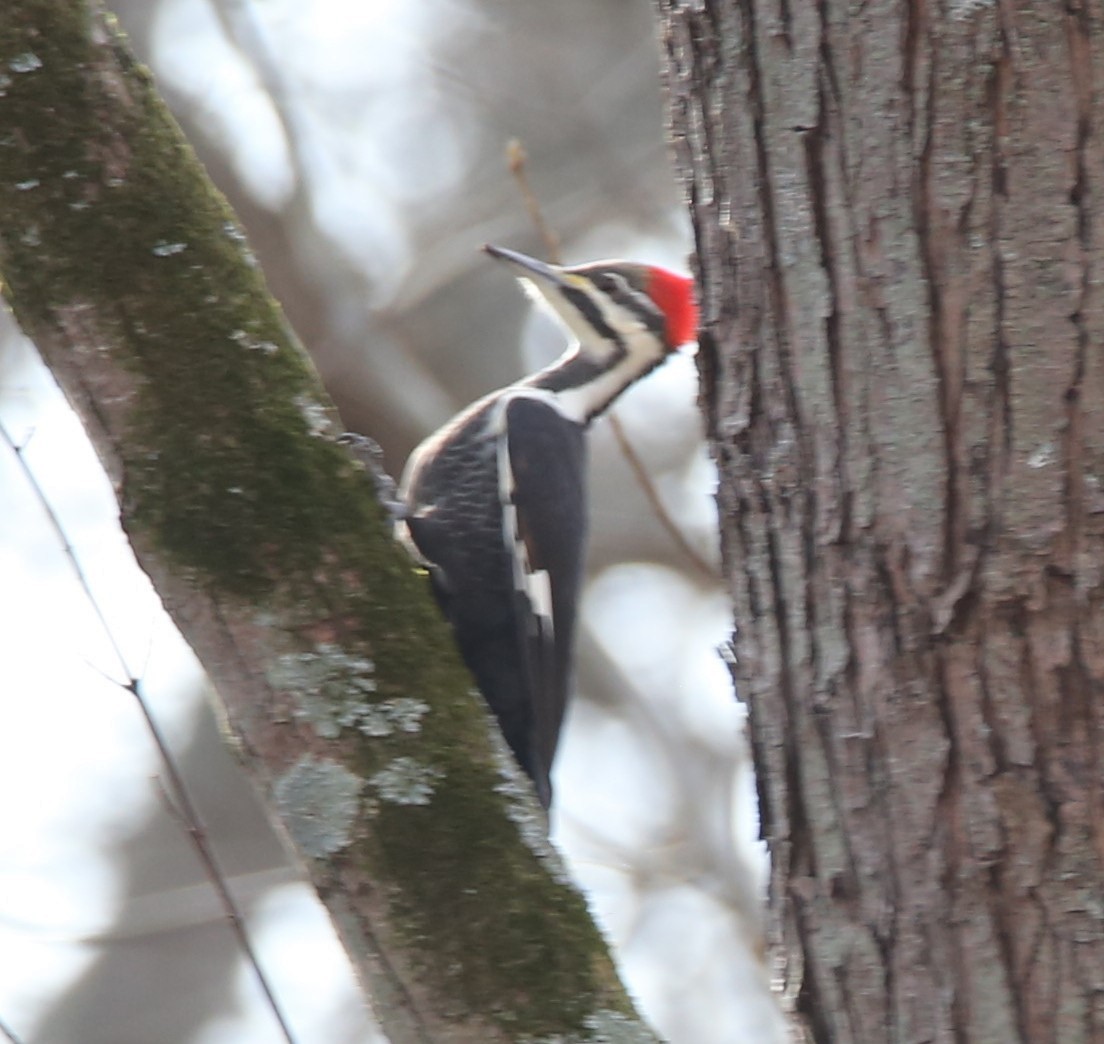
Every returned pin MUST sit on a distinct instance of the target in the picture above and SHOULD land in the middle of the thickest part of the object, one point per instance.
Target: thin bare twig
(9, 1033)
(516, 158)
(650, 491)
(176, 791)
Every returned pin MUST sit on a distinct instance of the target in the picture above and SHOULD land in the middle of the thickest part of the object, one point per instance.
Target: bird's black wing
(542, 479)
(498, 514)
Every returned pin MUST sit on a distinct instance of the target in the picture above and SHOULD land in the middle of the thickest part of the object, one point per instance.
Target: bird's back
(453, 489)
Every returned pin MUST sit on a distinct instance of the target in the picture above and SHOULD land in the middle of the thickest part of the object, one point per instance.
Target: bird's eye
(606, 282)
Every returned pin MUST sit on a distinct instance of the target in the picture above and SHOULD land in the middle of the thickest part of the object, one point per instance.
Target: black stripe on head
(626, 285)
(644, 307)
(581, 302)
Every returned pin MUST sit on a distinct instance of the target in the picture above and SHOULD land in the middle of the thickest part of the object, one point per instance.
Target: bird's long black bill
(529, 266)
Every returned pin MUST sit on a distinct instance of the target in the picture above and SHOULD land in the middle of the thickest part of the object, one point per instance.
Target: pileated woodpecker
(495, 501)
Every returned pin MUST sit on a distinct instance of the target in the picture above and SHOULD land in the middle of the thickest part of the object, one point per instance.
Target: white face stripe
(551, 300)
(582, 403)
(627, 349)
(628, 330)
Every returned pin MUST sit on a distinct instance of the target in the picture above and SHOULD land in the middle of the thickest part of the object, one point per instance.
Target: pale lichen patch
(329, 685)
(603, 1027)
(403, 714)
(406, 781)
(314, 414)
(26, 62)
(524, 811)
(318, 801)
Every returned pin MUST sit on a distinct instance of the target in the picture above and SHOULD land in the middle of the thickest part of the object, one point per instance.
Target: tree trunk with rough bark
(897, 213)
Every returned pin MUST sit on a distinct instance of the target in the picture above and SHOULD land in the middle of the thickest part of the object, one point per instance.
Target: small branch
(180, 805)
(516, 158)
(652, 494)
(9, 1033)
(177, 796)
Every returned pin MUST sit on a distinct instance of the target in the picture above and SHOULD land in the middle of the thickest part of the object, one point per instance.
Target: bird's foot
(369, 453)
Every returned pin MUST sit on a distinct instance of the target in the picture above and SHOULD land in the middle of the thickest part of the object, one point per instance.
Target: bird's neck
(585, 387)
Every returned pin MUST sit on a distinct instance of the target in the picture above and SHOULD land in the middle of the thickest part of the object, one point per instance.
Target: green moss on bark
(114, 247)
(496, 952)
(109, 210)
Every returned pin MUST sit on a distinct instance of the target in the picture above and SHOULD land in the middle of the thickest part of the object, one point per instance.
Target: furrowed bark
(895, 211)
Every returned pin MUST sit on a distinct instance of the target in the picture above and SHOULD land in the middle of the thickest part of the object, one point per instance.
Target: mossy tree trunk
(897, 213)
(266, 545)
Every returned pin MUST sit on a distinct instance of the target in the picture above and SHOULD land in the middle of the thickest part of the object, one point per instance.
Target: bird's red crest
(674, 294)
